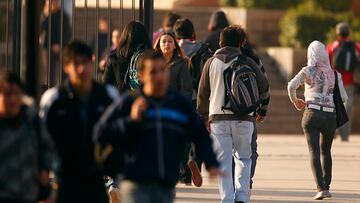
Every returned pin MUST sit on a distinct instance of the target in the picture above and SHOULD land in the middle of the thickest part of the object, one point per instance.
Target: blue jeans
(233, 139)
(133, 192)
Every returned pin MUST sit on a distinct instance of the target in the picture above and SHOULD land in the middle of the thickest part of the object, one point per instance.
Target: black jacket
(180, 77)
(70, 123)
(155, 146)
(115, 71)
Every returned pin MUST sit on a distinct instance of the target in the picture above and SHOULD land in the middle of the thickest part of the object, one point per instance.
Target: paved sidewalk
(284, 175)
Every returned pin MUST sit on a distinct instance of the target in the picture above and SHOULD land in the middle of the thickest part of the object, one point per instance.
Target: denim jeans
(233, 139)
(133, 192)
(254, 154)
(319, 128)
(345, 130)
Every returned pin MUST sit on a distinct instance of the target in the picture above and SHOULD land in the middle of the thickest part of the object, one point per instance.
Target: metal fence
(34, 33)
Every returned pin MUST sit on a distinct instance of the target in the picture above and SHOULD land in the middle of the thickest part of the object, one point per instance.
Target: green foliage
(334, 5)
(354, 23)
(308, 22)
(268, 4)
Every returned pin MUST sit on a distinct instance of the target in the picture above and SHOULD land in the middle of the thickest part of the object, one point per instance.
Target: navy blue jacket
(154, 146)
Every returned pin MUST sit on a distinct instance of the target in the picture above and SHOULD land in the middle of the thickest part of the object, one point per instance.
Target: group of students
(160, 113)
(140, 130)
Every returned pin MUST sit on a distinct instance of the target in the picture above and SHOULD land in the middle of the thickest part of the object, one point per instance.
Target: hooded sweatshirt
(211, 93)
(190, 47)
(318, 77)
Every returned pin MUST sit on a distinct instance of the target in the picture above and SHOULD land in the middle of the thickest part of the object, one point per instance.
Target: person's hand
(44, 177)
(215, 172)
(299, 104)
(207, 126)
(102, 64)
(138, 108)
(260, 119)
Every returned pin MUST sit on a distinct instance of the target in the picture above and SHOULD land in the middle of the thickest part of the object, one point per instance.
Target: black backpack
(344, 58)
(241, 89)
(198, 60)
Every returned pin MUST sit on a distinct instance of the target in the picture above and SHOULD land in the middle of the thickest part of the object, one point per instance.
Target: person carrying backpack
(198, 53)
(232, 88)
(344, 57)
(121, 69)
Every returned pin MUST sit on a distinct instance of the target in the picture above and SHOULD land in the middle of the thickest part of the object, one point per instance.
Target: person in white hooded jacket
(319, 119)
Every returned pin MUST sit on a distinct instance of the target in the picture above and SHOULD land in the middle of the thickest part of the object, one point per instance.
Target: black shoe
(239, 202)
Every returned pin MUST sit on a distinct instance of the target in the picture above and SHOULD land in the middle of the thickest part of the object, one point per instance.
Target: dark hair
(149, 55)
(76, 48)
(133, 35)
(177, 52)
(170, 19)
(217, 21)
(232, 36)
(184, 29)
(7, 76)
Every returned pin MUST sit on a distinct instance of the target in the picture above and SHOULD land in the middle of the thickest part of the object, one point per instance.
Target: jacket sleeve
(109, 74)
(294, 84)
(204, 90)
(199, 135)
(115, 124)
(343, 94)
(186, 81)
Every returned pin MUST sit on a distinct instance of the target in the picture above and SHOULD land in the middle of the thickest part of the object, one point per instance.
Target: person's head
(115, 37)
(133, 35)
(343, 29)
(184, 29)
(232, 36)
(103, 25)
(11, 94)
(77, 63)
(167, 44)
(55, 6)
(153, 73)
(317, 55)
(169, 20)
(217, 21)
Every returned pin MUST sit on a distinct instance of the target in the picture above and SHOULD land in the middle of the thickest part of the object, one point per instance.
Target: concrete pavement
(284, 174)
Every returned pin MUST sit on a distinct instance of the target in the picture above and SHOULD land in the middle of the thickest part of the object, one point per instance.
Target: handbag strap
(336, 87)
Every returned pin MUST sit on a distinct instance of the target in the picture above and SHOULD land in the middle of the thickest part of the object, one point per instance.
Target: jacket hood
(317, 56)
(226, 54)
(189, 47)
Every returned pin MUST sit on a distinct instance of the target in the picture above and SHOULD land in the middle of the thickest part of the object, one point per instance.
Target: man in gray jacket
(231, 133)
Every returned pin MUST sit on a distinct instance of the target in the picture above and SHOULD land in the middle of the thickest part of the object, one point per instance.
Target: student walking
(154, 124)
(345, 58)
(229, 112)
(121, 69)
(319, 119)
(25, 148)
(70, 111)
(217, 23)
(180, 78)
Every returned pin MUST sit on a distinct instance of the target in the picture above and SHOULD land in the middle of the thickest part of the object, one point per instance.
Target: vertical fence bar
(73, 19)
(61, 38)
(97, 39)
(49, 44)
(86, 19)
(109, 26)
(133, 9)
(141, 10)
(16, 36)
(121, 14)
(7, 33)
(148, 17)
(33, 11)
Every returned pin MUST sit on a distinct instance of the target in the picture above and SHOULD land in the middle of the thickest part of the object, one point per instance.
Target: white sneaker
(319, 196)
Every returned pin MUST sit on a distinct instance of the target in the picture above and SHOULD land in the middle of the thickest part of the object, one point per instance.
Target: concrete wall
(290, 60)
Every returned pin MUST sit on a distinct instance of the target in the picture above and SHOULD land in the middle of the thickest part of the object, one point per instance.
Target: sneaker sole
(195, 173)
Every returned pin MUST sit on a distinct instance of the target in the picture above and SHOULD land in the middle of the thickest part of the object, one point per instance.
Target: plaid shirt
(20, 159)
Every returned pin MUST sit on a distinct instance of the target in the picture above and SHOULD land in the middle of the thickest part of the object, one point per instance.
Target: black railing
(33, 48)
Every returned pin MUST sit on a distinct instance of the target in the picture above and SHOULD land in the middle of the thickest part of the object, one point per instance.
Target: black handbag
(341, 115)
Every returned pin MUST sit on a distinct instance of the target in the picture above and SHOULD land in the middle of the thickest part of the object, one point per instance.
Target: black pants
(319, 128)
